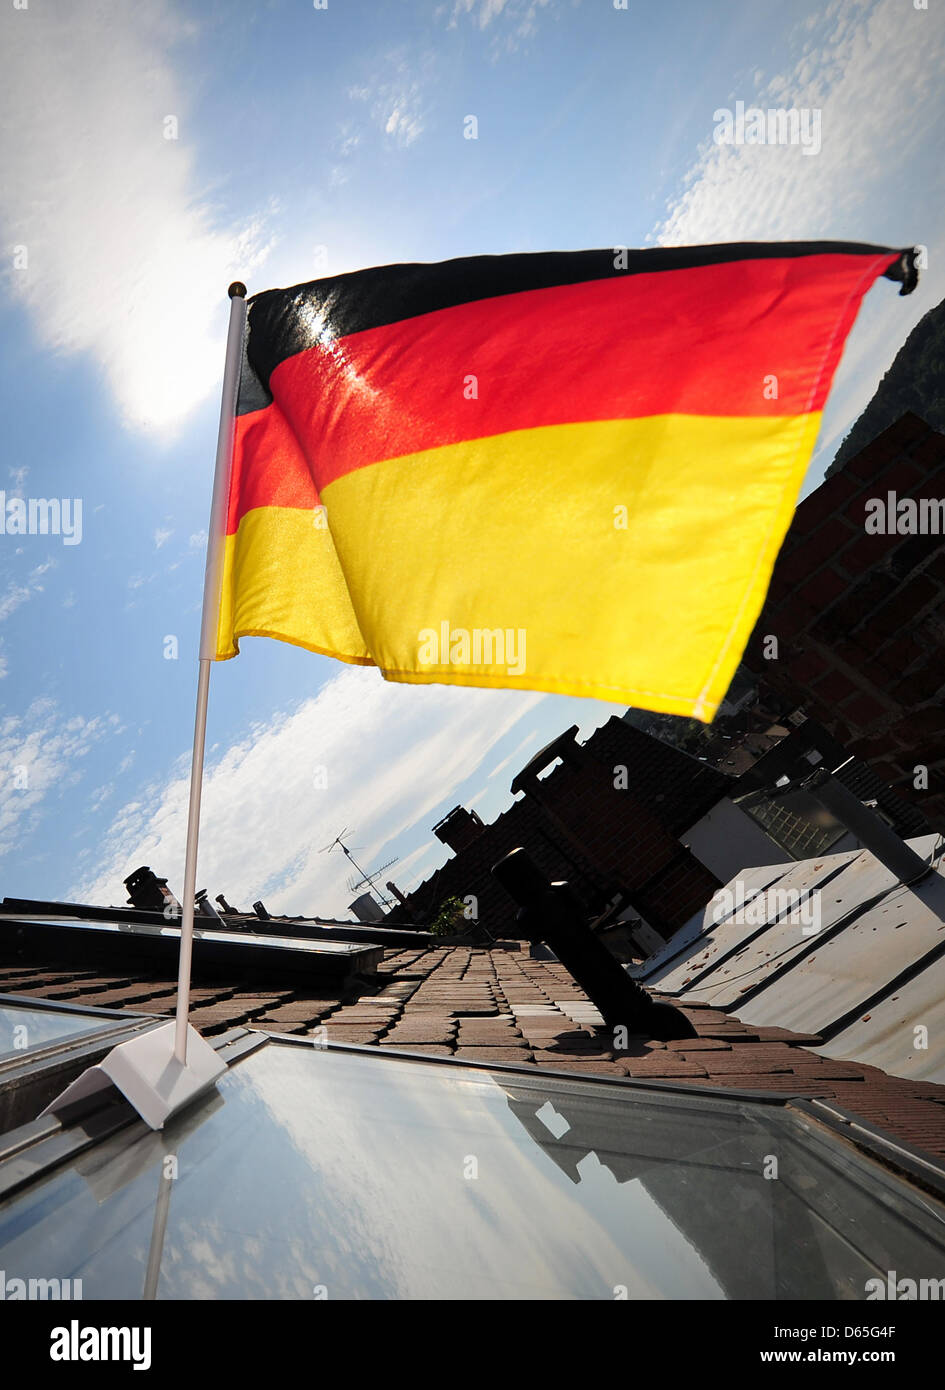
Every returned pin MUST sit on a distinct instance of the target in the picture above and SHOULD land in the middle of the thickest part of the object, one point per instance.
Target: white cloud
(390, 754)
(396, 102)
(161, 536)
(402, 123)
(10, 601)
(417, 866)
(17, 594)
(473, 800)
(124, 259)
(100, 796)
(408, 868)
(519, 18)
(856, 76)
(515, 756)
(857, 68)
(40, 754)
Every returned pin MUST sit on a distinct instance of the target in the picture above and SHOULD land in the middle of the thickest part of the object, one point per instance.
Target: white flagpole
(212, 584)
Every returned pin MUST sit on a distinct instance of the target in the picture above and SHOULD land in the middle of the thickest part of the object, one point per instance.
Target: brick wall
(469, 871)
(578, 826)
(625, 836)
(860, 618)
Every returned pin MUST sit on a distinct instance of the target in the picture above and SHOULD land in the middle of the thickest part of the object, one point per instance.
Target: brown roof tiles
(501, 1006)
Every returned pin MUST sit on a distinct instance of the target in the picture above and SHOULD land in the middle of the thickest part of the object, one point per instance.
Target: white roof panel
(778, 975)
(708, 971)
(890, 1034)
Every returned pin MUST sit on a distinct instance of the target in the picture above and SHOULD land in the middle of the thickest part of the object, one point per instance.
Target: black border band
(282, 323)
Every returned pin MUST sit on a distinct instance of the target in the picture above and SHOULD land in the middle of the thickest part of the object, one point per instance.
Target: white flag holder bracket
(161, 1071)
(149, 1075)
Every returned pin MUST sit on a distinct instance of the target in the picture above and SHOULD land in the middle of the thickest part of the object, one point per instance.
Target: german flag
(568, 471)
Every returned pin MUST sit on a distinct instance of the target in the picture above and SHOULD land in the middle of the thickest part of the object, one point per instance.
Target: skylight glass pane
(23, 1029)
(318, 1173)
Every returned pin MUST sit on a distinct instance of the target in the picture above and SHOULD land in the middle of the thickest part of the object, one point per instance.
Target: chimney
(204, 907)
(150, 893)
(458, 828)
(367, 909)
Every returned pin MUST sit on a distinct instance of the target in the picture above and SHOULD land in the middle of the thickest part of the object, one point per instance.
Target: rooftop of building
(492, 1005)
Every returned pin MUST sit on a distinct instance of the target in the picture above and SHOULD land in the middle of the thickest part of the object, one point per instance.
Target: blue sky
(312, 142)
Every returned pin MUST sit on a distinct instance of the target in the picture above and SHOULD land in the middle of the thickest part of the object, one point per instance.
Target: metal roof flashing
(836, 947)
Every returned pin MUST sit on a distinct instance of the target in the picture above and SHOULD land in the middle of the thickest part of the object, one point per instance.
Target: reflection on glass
(23, 1029)
(323, 1174)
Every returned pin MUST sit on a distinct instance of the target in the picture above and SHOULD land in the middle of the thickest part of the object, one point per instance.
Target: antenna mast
(364, 879)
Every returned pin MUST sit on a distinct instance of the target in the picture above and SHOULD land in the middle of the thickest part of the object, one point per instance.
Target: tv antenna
(362, 880)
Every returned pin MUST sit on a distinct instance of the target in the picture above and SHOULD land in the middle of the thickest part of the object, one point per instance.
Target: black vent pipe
(551, 912)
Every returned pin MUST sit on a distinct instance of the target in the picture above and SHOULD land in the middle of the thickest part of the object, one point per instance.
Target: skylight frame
(48, 1141)
(30, 910)
(32, 1077)
(33, 1154)
(113, 1021)
(212, 945)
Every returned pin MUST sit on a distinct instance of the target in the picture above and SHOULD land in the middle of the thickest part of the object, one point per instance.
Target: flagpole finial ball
(237, 290)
